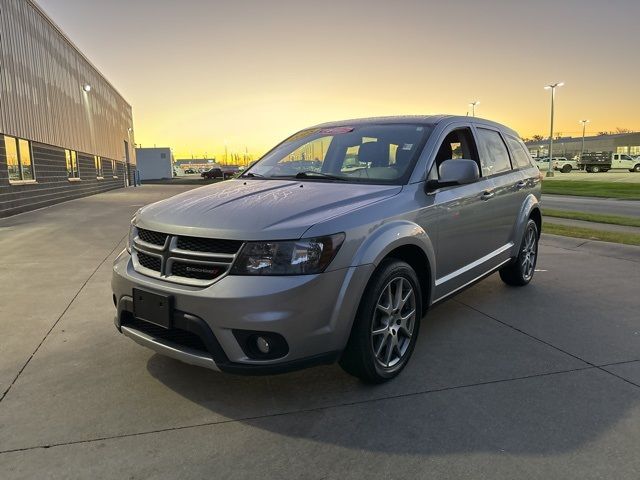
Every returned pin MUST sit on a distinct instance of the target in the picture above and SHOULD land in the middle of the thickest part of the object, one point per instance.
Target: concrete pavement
(536, 382)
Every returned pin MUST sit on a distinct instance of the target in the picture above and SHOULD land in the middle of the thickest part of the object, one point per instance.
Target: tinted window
(496, 157)
(521, 158)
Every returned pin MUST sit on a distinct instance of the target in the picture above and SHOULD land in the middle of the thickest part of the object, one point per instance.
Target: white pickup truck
(562, 164)
(604, 161)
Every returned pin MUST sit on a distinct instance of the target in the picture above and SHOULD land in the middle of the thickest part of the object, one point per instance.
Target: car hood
(258, 209)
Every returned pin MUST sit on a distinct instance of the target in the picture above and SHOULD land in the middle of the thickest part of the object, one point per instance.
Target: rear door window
(521, 158)
(495, 157)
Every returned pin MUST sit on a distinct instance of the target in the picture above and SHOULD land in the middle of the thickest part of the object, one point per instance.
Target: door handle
(487, 194)
(521, 184)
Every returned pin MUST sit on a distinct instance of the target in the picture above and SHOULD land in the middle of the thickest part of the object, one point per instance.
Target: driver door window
(457, 144)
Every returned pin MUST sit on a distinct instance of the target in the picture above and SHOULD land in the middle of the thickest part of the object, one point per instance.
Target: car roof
(418, 119)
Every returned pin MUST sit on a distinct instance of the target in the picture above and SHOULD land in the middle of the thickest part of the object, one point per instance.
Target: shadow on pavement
(477, 400)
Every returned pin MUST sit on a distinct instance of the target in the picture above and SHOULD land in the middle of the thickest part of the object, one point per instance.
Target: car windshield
(363, 153)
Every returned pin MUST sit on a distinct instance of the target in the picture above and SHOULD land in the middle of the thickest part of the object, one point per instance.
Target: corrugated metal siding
(41, 96)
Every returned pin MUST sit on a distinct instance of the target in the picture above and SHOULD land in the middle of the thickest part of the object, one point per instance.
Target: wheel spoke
(382, 344)
(406, 298)
(398, 293)
(380, 331)
(390, 348)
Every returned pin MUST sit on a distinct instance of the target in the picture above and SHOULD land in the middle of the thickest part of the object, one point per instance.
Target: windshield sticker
(336, 130)
(407, 146)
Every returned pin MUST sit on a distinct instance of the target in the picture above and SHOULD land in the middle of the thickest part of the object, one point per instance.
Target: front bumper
(313, 313)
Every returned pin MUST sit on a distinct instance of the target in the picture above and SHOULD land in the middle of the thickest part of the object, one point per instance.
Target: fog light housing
(261, 345)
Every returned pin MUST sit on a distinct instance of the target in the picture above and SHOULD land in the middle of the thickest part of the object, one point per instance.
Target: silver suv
(332, 247)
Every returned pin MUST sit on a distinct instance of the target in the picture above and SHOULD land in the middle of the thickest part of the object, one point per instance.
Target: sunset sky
(200, 73)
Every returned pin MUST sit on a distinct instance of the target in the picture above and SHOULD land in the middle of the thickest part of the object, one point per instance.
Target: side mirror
(455, 172)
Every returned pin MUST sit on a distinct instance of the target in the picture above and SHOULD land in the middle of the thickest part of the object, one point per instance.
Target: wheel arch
(406, 241)
(530, 209)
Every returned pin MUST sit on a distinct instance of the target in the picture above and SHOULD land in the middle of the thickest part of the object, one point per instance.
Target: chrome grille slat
(187, 266)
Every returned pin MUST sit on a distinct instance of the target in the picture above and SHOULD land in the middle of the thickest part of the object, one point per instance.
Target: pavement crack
(533, 337)
(296, 412)
(4, 394)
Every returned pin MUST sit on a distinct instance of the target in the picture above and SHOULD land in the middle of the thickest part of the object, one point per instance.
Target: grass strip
(627, 191)
(587, 233)
(593, 217)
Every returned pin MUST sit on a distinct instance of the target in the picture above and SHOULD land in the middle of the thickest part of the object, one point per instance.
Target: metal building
(65, 131)
(625, 143)
(154, 163)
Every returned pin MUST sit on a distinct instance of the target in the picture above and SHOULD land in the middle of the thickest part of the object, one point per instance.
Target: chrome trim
(472, 281)
(473, 264)
(183, 354)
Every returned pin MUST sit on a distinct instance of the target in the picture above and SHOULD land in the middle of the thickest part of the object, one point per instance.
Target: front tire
(566, 169)
(520, 272)
(386, 326)
(636, 168)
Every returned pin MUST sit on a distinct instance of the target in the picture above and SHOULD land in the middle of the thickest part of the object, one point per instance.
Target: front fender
(392, 235)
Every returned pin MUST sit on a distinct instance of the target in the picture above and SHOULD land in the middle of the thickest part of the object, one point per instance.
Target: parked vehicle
(229, 171)
(604, 161)
(215, 172)
(285, 268)
(542, 163)
(562, 164)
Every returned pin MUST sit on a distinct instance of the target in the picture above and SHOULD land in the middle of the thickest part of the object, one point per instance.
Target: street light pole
(584, 126)
(552, 87)
(473, 107)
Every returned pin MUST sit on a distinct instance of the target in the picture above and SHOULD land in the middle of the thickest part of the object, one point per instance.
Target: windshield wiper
(312, 174)
(256, 175)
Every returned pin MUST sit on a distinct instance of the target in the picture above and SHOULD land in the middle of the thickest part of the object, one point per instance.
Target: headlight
(296, 257)
(132, 235)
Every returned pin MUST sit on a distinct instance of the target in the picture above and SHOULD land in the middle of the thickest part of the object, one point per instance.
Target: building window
(19, 164)
(634, 150)
(72, 164)
(98, 163)
(114, 169)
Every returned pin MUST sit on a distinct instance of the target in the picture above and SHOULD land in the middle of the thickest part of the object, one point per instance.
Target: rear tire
(386, 326)
(566, 169)
(595, 169)
(520, 272)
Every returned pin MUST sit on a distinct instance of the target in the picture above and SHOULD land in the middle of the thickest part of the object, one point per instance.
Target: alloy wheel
(393, 322)
(528, 254)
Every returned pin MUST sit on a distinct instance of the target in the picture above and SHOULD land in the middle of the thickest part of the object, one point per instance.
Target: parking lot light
(473, 107)
(552, 87)
(584, 125)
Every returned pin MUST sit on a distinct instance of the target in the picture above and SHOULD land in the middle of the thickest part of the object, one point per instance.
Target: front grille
(199, 271)
(209, 245)
(183, 259)
(175, 335)
(155, 238)
(150, 262)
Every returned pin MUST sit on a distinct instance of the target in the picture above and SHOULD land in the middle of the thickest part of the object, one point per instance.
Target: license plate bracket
(152, 308)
